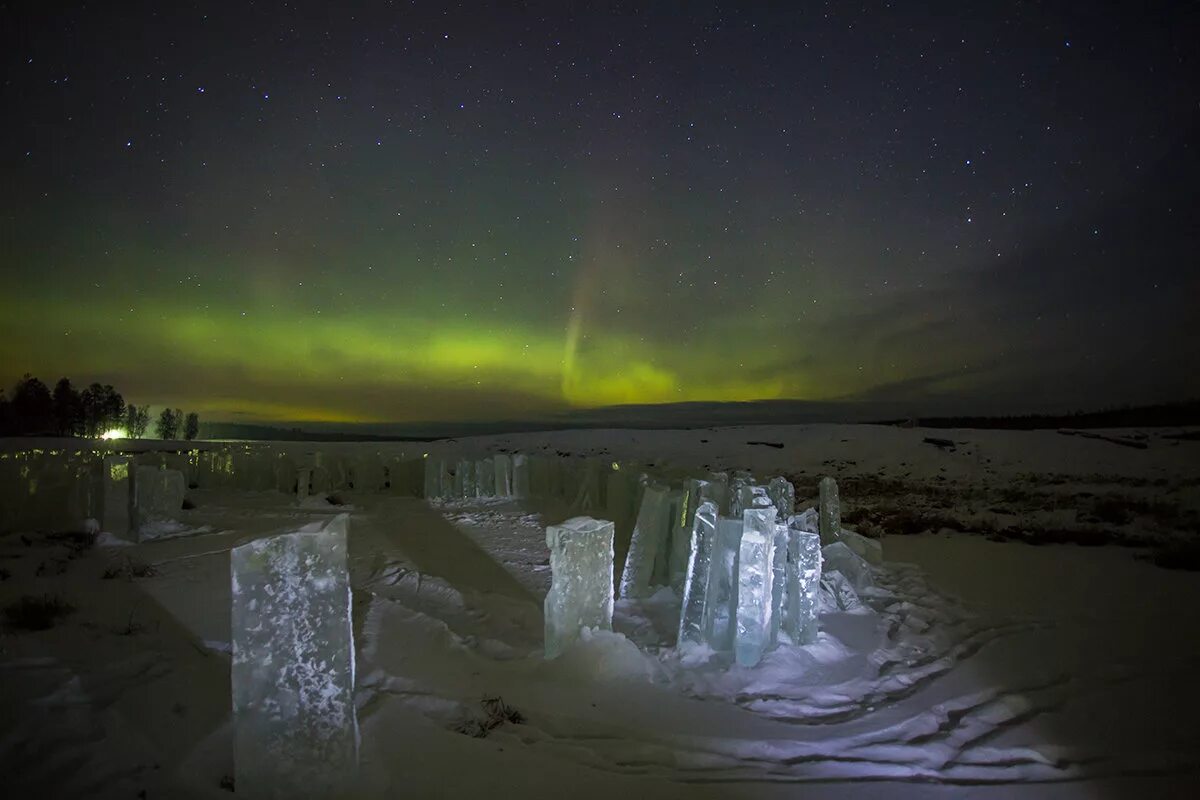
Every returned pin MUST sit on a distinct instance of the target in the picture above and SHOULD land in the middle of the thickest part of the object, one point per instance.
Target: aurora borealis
(425, 212)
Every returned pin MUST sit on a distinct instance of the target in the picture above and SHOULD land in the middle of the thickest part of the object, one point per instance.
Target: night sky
(419, 211)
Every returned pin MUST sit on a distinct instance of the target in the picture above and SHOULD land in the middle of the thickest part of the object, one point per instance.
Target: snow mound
(602, 656)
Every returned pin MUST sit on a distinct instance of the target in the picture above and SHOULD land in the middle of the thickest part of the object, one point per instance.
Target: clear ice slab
(721, 599)
(783, 497)
(831, 511)
(581, 594)
(838, 557)
(803, 585)
(292, 671)
(755, 576)
(520, 476)
(648, 541)
(870, 549)
(119, 499)
(485, 478)
(159, 493)
(464, 479)
(699, 567)
(503, 481)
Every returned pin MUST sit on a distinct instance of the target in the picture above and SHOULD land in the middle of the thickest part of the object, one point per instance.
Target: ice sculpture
(119, 497)
(159, 493)
(756, 557)
(803, 585)
(699, 567)
(503, 470)
(839, 557)
(581, 563)
(783, 497)
(648, 541)
(292, 671)
(831, 511)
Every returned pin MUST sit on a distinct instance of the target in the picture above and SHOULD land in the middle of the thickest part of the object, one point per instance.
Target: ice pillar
(581, 595)
(520, 476)
(804, 582)
(649, 535)
(119, 515)
(830, 510)
(783, 497)
(756, 558)
(503, 469)
(699, 567)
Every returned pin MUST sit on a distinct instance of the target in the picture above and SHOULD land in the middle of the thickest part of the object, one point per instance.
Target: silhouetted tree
(191, 428)
(68, 408)
(6, 416)
(168, 424)
(32, 406)
(137, 419)
(103, 409)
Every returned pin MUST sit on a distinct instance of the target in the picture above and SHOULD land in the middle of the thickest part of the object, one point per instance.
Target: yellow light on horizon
(115, 433)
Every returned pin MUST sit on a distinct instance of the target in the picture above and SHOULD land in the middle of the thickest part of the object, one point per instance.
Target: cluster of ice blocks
(750, 571)
(751, 568)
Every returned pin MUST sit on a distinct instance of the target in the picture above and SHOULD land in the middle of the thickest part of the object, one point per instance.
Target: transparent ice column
(831, 510)
(485, 478)
(581, 595)
(464, 479)
(119, 515)
(303, 480)
(671, 564)
(755, 575)
(159, 493)
(838, 557)
(721, 598)
(292, 671)
(649, 538)
(803, 585)
(433, 477)
(503, 472)
(520, 476)
(699, 568)
(783, 497)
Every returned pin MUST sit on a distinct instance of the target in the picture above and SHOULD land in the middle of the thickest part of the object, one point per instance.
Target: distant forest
(1162, 415)
(36, 410)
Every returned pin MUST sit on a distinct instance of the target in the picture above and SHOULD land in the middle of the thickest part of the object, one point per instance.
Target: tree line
(35, 410)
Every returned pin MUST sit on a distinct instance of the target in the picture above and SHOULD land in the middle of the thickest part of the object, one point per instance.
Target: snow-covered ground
(982, 666)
